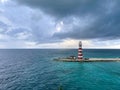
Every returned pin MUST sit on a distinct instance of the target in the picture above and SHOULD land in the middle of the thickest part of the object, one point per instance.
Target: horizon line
(59, 48)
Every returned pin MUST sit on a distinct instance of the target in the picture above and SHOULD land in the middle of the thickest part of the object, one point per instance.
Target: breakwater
(88, 60)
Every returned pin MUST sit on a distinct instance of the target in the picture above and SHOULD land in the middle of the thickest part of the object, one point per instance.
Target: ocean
(34, 69)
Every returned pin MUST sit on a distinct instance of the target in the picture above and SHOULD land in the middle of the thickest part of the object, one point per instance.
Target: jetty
(89, 60)
(80, 58)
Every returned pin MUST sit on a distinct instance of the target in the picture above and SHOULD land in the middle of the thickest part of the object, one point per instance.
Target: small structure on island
(80, 54)
(72, 57)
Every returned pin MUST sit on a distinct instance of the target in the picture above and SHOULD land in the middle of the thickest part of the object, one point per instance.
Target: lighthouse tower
(80, 55)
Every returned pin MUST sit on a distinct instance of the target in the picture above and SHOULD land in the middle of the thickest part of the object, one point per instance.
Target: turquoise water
(35, 70)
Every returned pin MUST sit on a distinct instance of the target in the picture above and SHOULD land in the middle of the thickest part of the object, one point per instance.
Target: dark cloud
(66, 7)
(106, 25)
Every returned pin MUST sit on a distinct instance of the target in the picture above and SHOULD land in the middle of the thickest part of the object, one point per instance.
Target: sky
(59, 23)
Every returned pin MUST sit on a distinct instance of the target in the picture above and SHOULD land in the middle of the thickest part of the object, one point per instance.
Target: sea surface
(34, 69)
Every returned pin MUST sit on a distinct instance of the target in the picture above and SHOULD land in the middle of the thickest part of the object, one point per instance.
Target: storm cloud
(62, 8)
(105, 14)
(40, 22)
(106, 27)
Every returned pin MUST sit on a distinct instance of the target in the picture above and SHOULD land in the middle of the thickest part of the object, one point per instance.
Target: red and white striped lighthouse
(80, 55)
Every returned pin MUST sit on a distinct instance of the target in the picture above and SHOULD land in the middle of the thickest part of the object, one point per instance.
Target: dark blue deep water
(34, 69)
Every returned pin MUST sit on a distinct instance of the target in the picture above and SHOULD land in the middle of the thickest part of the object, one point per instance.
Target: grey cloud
(106, 26)
(61, 8)
(10, 32)
(27, 26)
(3, 26)
(16, 31)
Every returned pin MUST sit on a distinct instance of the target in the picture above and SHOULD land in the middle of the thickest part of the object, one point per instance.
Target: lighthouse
(80, 55)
